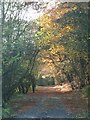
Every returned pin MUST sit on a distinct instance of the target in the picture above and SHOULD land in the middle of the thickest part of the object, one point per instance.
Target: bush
(6, 112)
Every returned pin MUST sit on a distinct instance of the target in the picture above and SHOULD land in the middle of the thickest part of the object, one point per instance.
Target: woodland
(49, 51)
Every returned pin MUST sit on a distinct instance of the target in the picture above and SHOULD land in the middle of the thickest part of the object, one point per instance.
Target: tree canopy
(54, 44)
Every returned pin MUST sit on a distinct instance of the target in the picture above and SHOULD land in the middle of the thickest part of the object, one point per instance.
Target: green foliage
(85, 92)
(65, 26)
(88, 91)
(57, 41)
(19, 51)
(6, 112)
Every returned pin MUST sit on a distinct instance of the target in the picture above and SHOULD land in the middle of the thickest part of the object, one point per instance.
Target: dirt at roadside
(75, 102)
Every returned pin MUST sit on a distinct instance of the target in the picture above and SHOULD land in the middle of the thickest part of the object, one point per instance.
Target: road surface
(48, 105)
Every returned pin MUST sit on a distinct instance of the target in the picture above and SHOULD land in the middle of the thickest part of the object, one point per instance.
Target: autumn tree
(64, 28)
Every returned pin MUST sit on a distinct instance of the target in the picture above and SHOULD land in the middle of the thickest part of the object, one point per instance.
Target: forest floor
(51, 102)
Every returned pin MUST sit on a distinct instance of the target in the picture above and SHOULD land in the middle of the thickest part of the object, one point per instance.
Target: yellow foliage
(56, 48)
(74, 8)
(52, 31)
